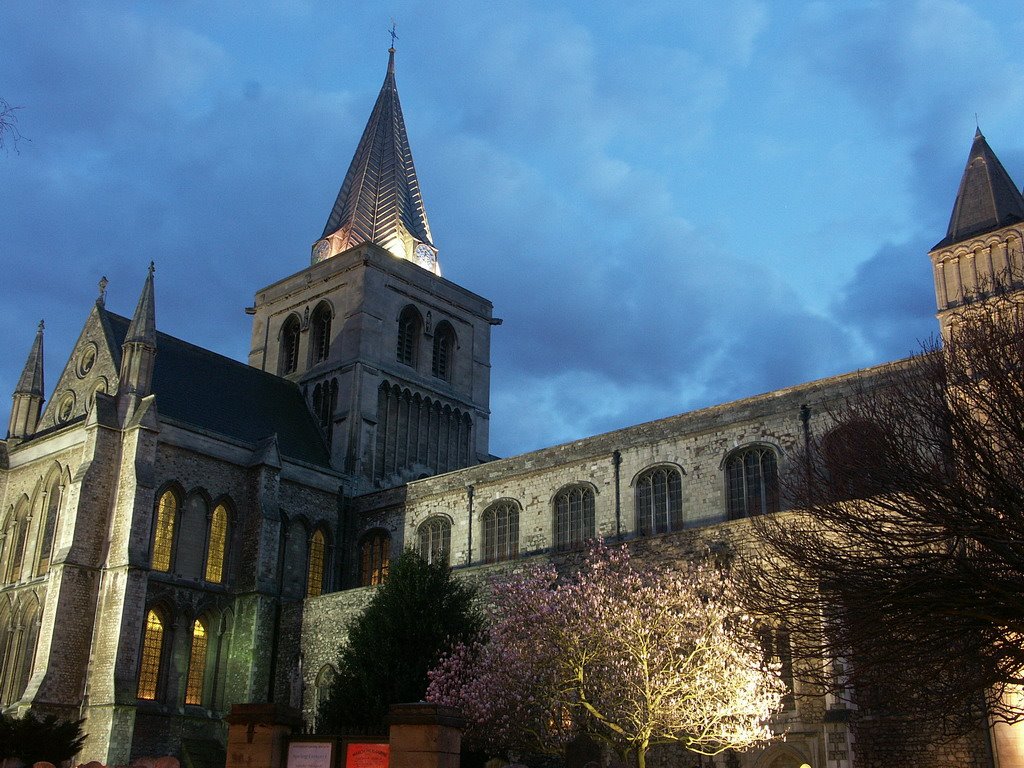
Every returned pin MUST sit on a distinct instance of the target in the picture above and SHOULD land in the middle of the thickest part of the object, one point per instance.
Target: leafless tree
(10, 134)
(899, 569)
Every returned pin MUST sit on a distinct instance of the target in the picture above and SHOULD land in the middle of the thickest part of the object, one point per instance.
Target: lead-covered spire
(987, 199)
(380, 201)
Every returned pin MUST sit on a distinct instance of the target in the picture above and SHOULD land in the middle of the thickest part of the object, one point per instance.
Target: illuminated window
(444, 345)
(375, 553)
(435, 535)
(218, 545)
(409, 325)
(196, 665)
(320, 332)
(501, 531)
(289, 361)
(315, 574)
(163, 535)
(752, 482)
(152, 649)
(574, 516)
(49, 527)
(659, 501)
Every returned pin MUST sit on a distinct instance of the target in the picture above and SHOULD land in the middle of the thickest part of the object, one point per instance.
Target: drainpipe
(616, 463)
(469, 536)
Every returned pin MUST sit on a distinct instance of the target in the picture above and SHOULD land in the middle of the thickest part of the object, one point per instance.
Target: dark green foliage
(32, 738)
(414, 617)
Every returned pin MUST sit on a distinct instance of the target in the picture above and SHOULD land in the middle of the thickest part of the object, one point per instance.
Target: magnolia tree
(633, 654)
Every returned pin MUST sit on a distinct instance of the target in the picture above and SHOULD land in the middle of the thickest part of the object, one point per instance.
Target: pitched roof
(380, 199)
(31, 381)
(987, 199)
(202, 389)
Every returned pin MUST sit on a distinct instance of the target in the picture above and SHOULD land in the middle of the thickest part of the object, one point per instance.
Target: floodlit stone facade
(182, 532)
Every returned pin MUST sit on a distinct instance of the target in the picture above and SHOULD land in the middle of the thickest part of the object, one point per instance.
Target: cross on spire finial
(394, 35)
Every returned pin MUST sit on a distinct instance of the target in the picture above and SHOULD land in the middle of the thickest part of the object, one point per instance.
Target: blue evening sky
(671, 204)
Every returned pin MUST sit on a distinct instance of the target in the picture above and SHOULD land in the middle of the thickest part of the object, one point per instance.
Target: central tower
(394, 360)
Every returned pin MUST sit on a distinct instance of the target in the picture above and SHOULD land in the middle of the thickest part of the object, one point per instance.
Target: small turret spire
(28, 395)
(987, 199)
(380, 201)
(139, 351)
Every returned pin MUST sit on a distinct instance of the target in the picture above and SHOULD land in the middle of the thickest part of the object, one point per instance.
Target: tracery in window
(49, 525)
(152, 651)
(752, 482)
(163, 533)
(444, 347)
(196, 665)
(320, 331)
(501, 531)
(375, 554)
(17, 653)
(315, 572)
(289, 360)
(659, 501)
(17, 532)
(410, 326)
(217, 548)
(434, 536)
(574, 516)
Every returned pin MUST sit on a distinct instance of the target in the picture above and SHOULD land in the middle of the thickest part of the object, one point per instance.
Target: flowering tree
(633, 654)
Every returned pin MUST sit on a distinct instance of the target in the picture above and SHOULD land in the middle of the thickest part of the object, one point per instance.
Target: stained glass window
(315, 574)
(218, 545)
(196, 665)
(163, 536)
(152, 648)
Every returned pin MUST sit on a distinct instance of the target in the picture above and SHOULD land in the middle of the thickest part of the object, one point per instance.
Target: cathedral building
(182, 532)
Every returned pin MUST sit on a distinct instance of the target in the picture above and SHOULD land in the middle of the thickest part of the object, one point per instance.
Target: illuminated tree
(416, 615)
(632, 654)
(903, 557)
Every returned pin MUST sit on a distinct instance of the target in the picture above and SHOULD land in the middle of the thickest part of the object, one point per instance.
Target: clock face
(321, 250)
(426, 257)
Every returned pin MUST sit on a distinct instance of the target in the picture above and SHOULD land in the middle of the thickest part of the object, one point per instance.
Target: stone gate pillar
(425, 736)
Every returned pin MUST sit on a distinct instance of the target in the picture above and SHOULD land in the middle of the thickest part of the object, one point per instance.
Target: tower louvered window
(409, 329)
(752, 478)
(444, 348)
(659, 501)
(574, 516)
(289, 362)
(320, 331)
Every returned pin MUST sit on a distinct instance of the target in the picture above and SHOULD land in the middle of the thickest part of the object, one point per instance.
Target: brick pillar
(258, 735)
(425, 736)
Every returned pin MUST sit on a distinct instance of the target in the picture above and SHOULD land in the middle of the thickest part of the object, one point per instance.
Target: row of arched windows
(752, 488)
(29, 529)
(191, 536)
(319, 325)
(411, 328)
(204, 662)
(305, 559)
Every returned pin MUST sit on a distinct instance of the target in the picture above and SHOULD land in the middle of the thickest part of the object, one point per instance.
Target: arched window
(196, 664)
(49, 525)
(501, 531)
(574, 516)
(17, 533)
(375, 553)
(435, 538)
(752, 482)
(152, 654)
(777, 649)
(20, 653)
(289, 360)
(324, 681)
(444, 348)
(659, 501)
(325, 403)
(855, 456)
(193, 527)
(218, 544)
(320, 331)
(410, 326)
(315, 571)
(163, 531)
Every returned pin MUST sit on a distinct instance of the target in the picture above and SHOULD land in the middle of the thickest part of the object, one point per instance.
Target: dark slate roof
(987, 199)
(31, 381)
(380, 196)
(202, 389)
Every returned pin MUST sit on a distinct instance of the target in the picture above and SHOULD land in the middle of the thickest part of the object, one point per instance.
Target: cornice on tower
(380, 201)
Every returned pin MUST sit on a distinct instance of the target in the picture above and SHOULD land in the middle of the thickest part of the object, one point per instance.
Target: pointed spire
(143, 325)
(987, 199)
(379, 200)
(28, 395)
(31, 381)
